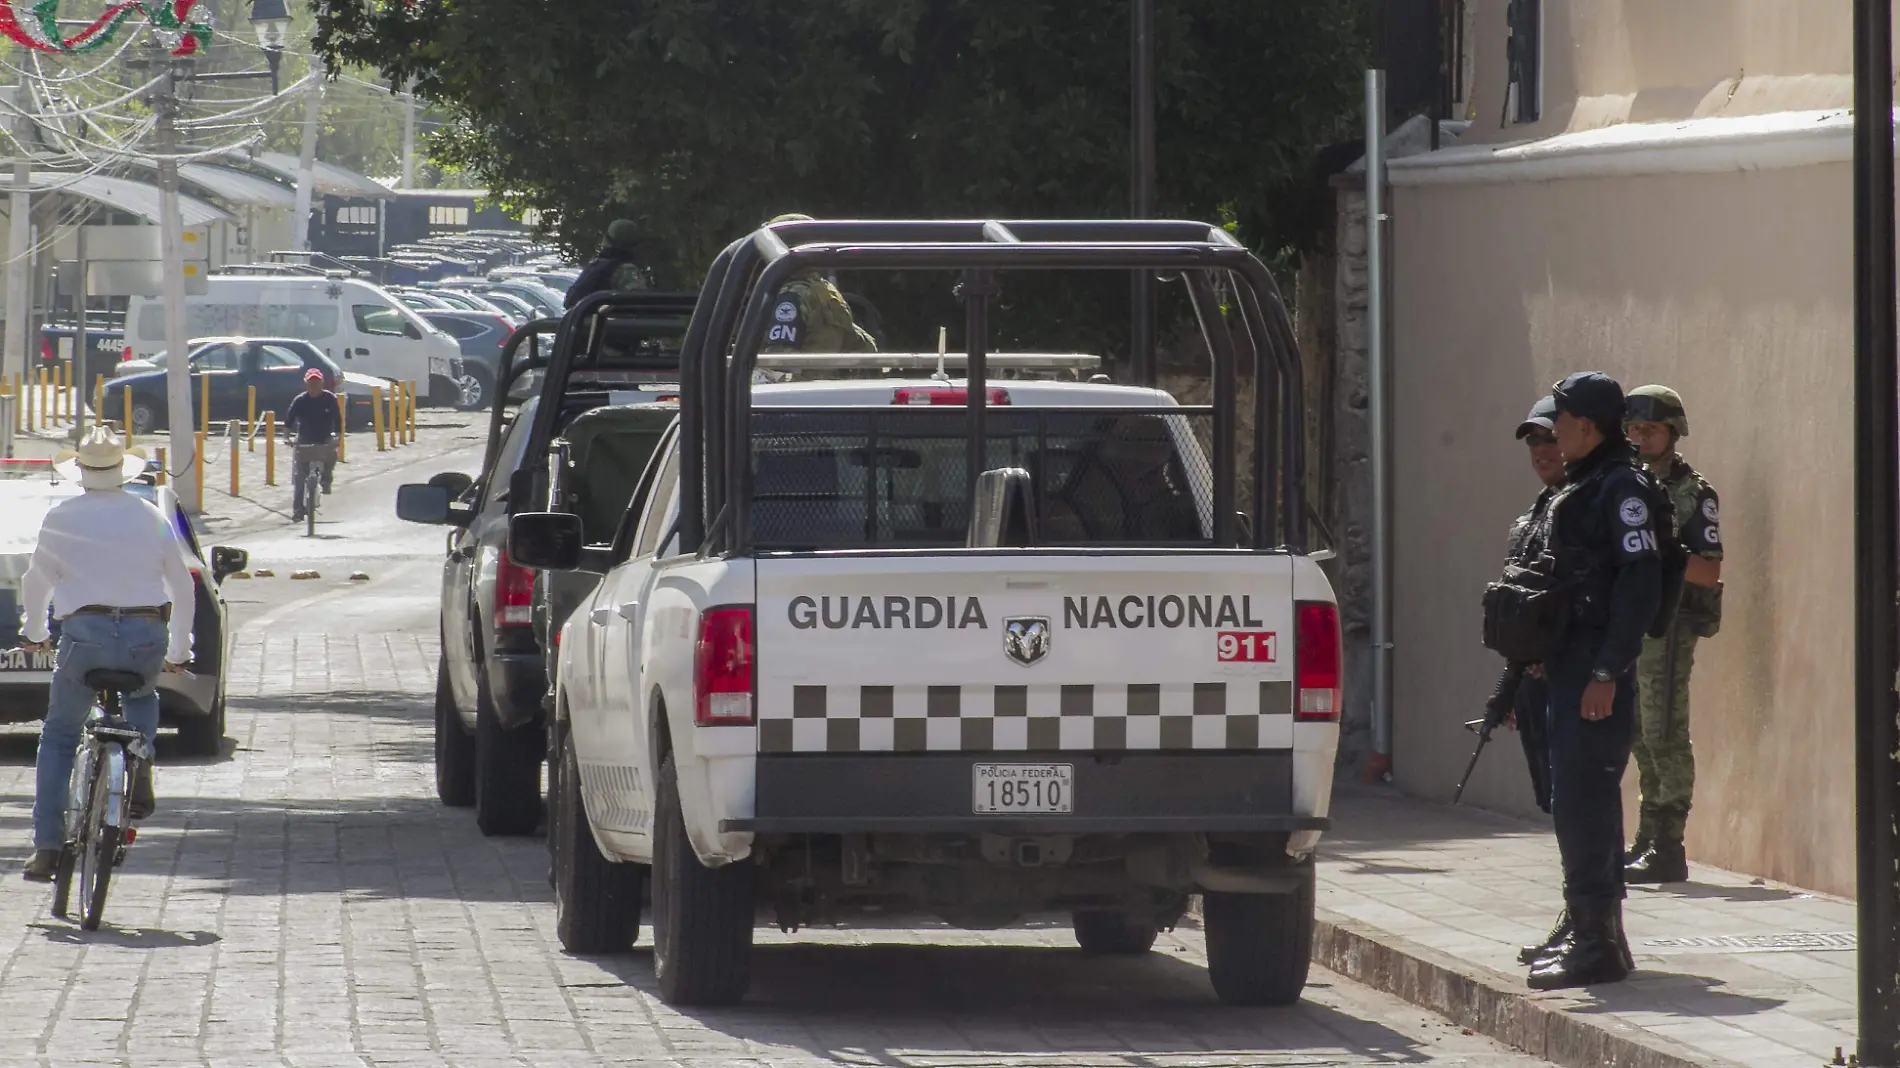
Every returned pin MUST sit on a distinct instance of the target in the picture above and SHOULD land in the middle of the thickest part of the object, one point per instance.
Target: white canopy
(124, 194)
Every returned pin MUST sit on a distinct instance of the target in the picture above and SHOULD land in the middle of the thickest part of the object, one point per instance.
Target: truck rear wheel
(702, 917)
(596, 900)
(1113, 933)
(1259, 945)
(454, 749)
(507, 772)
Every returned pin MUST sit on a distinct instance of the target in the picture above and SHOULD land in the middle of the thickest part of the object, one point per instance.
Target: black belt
(162, 612)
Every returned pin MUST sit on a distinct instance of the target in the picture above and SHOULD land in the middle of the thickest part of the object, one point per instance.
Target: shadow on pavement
(1009, 1000)
(1712, 892)
(1682, 994)
(125, 937)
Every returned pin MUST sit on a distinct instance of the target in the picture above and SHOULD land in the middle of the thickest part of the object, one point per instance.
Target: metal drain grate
(1793, 942)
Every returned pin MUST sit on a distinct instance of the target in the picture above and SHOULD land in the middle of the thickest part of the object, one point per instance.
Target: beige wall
(1609, 61)
(1735, 289)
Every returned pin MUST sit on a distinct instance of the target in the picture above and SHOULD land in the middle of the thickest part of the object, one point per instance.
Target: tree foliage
(700, 118)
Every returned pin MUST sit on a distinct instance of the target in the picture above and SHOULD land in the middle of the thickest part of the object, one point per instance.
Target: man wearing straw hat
(109, 566)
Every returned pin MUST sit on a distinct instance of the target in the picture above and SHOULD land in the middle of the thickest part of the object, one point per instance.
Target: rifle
(1496, 711)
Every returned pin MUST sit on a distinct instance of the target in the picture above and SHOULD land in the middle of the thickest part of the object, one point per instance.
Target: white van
(356, 323)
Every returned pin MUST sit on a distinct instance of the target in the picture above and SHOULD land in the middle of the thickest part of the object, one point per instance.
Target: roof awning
(330, 178)
(237, 187)
(123, 194)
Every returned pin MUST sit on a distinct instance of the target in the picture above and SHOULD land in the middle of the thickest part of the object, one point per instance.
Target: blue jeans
(299, 470)
(86, 643)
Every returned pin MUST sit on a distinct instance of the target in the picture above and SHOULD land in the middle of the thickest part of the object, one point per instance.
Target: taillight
(514, 593)
(943, 395)
(125, 354)
(46, 349)
(722, 668)
(1316, 634)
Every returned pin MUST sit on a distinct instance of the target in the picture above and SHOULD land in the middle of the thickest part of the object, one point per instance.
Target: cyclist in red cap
(311, 419)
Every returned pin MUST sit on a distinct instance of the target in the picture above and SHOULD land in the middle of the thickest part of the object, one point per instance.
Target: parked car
(193, 702)
(550, 302)
(275, 366)
(104, 349)
(462, 300)
(481, 335)
(419, 300)
(515, 306)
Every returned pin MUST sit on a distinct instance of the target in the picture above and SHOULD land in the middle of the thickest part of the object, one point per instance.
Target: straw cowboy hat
(101, 461)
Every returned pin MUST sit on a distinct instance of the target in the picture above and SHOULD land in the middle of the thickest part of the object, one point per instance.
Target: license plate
(1039, 788)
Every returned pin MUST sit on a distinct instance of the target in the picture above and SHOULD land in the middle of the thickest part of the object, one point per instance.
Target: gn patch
(1136, 716)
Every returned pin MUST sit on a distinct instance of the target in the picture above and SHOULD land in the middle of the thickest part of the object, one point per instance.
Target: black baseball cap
(1590, 395)
(1543, 417)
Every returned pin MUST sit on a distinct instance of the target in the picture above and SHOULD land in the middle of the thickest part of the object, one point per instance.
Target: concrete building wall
(1733, 288)
(1610, 61)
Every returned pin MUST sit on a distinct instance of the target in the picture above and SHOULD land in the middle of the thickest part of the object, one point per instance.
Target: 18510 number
(1253, 646)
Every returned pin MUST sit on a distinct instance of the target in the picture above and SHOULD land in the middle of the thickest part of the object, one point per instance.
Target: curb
(1491, 1004)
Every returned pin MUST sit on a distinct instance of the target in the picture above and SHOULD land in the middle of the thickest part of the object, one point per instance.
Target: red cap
(313, 375)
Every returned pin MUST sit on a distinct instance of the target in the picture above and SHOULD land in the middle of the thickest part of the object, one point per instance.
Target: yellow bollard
(40, 408)
(270, 447)
(99, 397)
(342, 430)
(412, 412)
(66, 394)
(19, 405)
(376, 418)
(198, 470)
(250, 419)
(127, 395)
(204, 411)
(231, 432)
(162, 474)
(395, 415)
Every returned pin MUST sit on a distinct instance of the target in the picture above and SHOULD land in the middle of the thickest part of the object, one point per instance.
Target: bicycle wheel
(78, 792)
(312, 489)
(102, 839)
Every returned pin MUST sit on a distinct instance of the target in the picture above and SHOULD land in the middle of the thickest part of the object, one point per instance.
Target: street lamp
(271, 22)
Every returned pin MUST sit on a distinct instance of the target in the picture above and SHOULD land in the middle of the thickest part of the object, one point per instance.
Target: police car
(845, 661)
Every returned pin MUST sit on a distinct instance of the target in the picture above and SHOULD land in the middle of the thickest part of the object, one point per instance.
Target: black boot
(143, 801)
(1592, 954)
(1663, 863)
(1558, 932)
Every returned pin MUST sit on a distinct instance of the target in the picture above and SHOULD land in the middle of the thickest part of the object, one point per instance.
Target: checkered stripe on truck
(983, 718)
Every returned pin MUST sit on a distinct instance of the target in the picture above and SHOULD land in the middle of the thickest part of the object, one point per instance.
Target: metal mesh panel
(863, 478)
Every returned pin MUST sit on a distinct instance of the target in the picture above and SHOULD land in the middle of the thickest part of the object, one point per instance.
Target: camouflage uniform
(1665, 762)
(810, 315)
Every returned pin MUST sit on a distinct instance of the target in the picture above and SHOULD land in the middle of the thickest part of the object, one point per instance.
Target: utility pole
(1876, 525)
(19, 241)
(182, 453)
(306, 166)
(409, 136)
(1141, 345)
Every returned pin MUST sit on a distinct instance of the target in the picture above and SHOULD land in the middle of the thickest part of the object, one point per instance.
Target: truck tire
(203, 736)
(1259, 945)
(702, 917)
(454, 749)
(507, 772)
(1113, 933)
(596, 900)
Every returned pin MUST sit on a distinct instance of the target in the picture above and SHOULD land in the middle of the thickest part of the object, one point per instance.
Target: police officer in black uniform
(1521, 694)
(1601, 530)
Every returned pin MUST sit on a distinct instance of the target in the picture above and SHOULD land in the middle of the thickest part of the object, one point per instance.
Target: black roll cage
(728, 322)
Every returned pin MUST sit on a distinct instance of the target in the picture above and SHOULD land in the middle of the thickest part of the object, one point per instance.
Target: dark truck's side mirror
(1004, 512)
(422, 503)
(554, 541)
(227, 561)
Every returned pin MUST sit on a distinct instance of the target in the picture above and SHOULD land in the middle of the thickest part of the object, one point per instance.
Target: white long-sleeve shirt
(109, 547)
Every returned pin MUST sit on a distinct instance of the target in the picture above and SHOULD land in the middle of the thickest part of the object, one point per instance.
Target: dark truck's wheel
(478, 386)
(702, 917)
(596, 900)
(507, 772)
(454, 749)
(203, 736)
(1259, 945)
(1113, 933)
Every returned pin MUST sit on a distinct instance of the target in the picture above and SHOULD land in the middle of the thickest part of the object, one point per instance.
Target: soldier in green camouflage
(810, 314)
(1665, 763)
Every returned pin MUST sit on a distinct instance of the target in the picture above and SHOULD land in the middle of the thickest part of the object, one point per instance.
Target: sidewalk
(1430, 903)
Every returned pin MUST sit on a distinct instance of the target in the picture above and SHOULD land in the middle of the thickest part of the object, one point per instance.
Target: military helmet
(623, 233)
(1657, 404)
(791, 216)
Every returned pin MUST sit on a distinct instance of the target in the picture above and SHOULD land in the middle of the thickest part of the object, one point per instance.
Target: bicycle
(98, 823)
(313, 458)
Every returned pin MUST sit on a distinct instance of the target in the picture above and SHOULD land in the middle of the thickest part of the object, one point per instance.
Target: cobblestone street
(304, 901)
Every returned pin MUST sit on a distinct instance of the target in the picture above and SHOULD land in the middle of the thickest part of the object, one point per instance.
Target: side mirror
(422, 503)
(456, 482)
(227, 561)
(1004, 514)
(547, 541)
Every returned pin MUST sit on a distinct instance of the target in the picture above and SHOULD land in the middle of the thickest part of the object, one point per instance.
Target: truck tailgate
(1086, 651)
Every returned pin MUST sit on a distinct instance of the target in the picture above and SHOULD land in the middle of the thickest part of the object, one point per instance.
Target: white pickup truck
(836, 675)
